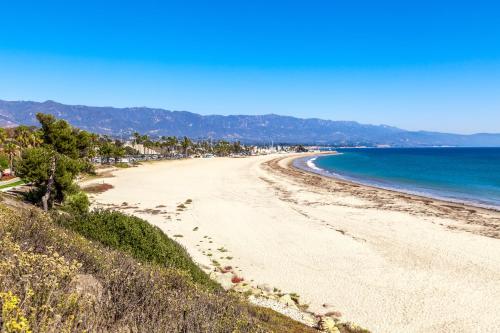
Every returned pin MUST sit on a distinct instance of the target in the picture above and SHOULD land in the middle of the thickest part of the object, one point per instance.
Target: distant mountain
(250, 129)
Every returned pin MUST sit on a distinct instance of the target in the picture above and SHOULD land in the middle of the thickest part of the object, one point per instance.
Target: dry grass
(53, 280)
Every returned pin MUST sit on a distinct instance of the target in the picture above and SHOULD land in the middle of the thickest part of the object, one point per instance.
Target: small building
(142, 149)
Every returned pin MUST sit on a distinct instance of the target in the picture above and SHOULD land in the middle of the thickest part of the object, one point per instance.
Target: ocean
(469, 175)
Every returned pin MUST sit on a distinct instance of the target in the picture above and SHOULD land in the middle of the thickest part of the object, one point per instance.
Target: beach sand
(390, 262)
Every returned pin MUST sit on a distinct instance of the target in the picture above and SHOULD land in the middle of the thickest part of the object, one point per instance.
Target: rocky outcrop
(87, 286)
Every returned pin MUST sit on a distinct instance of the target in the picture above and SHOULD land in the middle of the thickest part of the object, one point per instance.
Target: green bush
(54, 280)
(138, 238)
(4, 162)
(121, 165)
(77, 203)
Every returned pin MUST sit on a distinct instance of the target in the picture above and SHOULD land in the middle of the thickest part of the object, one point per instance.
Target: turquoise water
(457, 174)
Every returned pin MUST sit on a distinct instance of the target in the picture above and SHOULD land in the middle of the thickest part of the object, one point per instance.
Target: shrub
(97, 188)
(45, 278)
(138, 238)
(77, 203)
(54, 280)
(13, 319)
(121, 165)
(4, 162)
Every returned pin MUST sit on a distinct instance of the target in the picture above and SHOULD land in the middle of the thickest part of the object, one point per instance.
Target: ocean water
(470, 175)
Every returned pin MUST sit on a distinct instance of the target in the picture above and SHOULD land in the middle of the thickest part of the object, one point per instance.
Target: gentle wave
(311, 165)
(308, 164)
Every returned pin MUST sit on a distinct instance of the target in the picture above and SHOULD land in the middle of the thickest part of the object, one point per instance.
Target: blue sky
(432, 65)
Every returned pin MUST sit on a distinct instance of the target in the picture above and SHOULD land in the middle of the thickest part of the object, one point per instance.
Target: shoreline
(463, 213)
(316, 170)
(416, 195)
(385, 260)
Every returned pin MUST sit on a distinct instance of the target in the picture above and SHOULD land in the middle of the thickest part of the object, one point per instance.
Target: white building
(141, 149)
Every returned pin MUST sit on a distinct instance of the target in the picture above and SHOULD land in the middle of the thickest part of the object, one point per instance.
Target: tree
(59, 135)
(172, 142)
(54, 165)
(118, 150)
(23, 136)
(37, 138)
(137, 138)
(106, 150)
(131, 151)
(145, 141)
(223, 148)
(11, 150)
(52, 173)
(185, 144)
(236, 148)
(86, 143)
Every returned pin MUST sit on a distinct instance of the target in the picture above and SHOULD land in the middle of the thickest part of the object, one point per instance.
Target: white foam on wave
(428, 194)
(311, 165)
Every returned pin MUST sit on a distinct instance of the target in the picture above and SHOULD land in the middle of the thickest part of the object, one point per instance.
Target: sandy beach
(388, 261)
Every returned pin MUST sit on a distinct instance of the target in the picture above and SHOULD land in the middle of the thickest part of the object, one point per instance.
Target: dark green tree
(118, 150)
(52, 173)
(186, 143)
(106, 150)
(58, 135)
(53, 166)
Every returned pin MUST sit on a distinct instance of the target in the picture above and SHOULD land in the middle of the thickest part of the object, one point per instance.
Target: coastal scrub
(137, 237)
(54, 280)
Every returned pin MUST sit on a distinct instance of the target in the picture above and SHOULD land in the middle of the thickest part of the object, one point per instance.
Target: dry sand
(387, 261)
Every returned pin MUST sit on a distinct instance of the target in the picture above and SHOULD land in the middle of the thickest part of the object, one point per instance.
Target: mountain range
(245, 128)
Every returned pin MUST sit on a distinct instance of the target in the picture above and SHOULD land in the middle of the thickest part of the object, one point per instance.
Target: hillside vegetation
(138, 238)
(55, 280)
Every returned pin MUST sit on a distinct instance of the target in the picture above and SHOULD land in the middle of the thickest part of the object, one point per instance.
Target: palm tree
(145, 141)
(93, 145)
(11, 150)
(36, 139)
(118, 150)
(23, 136)
(172, 142)
(137, 138)
(223, 148)
(237, 147)
(185, 144)
(106, 149)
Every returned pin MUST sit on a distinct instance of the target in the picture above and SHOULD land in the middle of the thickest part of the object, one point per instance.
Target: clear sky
(432, 65)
